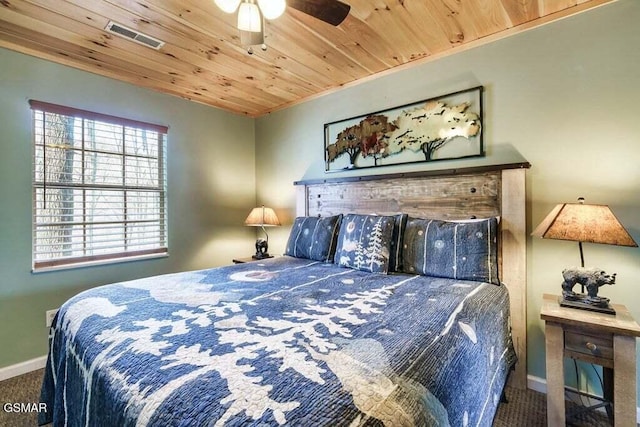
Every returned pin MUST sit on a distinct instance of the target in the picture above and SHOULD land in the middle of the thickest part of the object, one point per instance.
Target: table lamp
(580, 222)
(262, 217)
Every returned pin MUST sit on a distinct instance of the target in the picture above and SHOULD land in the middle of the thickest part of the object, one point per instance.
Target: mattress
(285, 341)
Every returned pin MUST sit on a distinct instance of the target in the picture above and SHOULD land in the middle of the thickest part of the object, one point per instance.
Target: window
(99, 187)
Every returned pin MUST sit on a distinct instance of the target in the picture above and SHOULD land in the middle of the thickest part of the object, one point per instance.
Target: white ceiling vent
(134, 35)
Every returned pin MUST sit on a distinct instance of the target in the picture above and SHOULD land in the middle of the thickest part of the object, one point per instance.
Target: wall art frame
(442, 128)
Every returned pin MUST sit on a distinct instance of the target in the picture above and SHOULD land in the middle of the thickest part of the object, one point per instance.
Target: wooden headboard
(478, 192)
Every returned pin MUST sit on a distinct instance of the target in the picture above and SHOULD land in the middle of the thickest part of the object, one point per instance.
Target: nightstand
(603, 339)
(248, 259)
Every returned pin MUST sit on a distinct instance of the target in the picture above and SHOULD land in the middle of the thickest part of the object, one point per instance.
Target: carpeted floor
(22, 389)
(529, 408)
(525, 408)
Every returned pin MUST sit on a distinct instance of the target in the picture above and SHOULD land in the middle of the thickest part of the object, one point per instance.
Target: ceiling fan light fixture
(249, 18)
(272, 9)
(227, 6)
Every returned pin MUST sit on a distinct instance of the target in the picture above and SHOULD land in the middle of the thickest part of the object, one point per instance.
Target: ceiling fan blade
(330, 11)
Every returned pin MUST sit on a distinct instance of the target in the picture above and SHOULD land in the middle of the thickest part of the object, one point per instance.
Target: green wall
(565, 96)
(211, 189)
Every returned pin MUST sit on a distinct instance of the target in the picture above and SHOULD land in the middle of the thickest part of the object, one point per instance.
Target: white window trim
(85, 260)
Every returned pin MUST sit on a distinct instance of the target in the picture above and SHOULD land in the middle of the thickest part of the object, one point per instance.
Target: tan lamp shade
(262, 217)
(584, 223)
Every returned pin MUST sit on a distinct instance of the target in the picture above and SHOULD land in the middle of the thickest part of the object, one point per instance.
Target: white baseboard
(540, 385)
(22, 368)
(537, 384)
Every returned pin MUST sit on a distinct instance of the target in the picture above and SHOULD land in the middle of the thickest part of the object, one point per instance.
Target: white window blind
(99, 187)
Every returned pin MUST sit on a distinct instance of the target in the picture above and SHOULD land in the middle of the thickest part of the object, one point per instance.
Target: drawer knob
(592, 347)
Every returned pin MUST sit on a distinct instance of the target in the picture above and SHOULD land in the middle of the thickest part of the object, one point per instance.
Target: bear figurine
(261, 249)
(592, 279)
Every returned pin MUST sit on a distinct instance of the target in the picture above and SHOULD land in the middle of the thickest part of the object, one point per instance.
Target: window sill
(98, 263)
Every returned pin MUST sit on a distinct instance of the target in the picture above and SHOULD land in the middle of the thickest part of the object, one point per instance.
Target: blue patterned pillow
(313, 237)
(395, 259)
(456, 250)
(364, 242)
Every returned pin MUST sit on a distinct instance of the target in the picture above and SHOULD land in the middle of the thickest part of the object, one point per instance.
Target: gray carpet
(528, 408)
(525, 408)
(22, 389)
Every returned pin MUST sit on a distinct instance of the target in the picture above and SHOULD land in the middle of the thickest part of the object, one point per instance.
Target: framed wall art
(446, 127)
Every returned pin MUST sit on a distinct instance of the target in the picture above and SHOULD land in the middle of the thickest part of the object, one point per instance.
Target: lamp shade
(272, 9)
(262, 217)
(249, 18)
(584, 223)
(250, 38)
(228, 6)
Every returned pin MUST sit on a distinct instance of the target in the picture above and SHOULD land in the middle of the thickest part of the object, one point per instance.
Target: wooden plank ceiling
(203, 61)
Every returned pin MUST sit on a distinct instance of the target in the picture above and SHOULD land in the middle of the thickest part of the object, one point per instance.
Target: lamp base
(592, 279)
(261, 249)
(582, 302)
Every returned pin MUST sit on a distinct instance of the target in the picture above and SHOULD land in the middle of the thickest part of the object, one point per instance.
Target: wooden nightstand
(602, 339)
(248, 259)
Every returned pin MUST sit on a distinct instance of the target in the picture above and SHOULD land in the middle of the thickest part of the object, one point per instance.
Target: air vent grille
(134, 35)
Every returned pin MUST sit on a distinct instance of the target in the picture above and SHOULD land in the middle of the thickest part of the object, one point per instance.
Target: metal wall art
(446, 127)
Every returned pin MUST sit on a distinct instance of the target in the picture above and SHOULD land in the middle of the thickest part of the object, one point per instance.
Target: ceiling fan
(252, 13)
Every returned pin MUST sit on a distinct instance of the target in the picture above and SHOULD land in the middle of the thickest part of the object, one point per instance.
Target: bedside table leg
(554, 347)
(607, 391)
(554, 344)
(624, 381)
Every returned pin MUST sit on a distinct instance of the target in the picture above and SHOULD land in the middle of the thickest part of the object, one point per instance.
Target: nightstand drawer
(597, 346)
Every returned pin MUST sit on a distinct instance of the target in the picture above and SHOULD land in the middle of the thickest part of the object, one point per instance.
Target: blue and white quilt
(286, 341)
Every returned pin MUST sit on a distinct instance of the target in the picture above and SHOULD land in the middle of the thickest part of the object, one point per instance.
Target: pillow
(395, 258)
(364, 242)
(313, 237)
(456, 250)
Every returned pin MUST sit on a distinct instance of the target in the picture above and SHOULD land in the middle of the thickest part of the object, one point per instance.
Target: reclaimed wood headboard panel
(450, 194)
(449, 197)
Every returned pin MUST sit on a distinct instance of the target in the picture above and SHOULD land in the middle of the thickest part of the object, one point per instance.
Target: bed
(320, 336)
